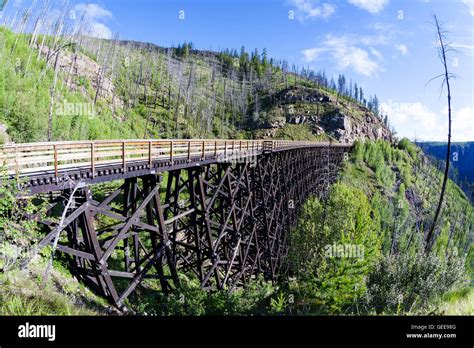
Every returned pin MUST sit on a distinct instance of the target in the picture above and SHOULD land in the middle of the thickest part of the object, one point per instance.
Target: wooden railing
(55, 157)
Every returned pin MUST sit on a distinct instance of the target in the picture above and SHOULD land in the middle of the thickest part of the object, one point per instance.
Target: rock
(86, 68)
(277, 122)
(4, 138)
(340, 123)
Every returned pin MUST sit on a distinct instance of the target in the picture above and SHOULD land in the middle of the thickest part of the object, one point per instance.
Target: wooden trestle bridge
(219, 210)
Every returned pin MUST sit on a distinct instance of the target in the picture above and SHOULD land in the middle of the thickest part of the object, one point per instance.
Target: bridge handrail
(28, 158)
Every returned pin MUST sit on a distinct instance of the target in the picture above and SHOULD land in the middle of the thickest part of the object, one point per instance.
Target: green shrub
(18, 233)
(408, 146)
(190, 300)
(335, 246)
(410, 281)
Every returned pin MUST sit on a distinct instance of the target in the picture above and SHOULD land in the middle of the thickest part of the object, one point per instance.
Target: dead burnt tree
(443, 50)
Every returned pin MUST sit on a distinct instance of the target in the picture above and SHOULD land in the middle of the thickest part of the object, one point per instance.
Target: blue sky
(387, 46)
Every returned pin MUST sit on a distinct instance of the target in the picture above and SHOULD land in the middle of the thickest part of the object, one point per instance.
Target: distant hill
(140, 90)
(462, 160)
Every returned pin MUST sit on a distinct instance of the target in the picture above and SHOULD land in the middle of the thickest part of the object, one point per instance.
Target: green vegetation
(191, 300)
(134, 91)
(460, 302)
(381, 205)
(25, 84)
(327, 232)
(22, 293)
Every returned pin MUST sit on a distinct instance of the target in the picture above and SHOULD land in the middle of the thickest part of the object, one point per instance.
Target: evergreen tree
(244, 62)
(255, 62)
(264, 59)
(375, 105)
(341, 86)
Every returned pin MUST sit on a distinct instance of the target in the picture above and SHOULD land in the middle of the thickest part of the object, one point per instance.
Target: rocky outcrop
(301, 94)
(4, 138)
(78, 68)
(347, 128)
(345, 121)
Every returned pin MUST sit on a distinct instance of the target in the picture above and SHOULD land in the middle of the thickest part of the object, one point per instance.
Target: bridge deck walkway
(49, 166)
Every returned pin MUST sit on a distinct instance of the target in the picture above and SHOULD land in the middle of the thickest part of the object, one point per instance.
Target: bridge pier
(222, 223)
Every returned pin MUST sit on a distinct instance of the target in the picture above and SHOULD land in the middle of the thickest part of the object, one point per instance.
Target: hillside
(114, 89)
(462, 162)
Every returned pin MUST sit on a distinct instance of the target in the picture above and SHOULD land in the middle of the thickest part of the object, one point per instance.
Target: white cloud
(310, 9)
(417, 120)
(89, 20)
(372, 6)
(312, 54)
(344, 51)
(376, 53)
(470, 5)
(100, 30)
(402, 49)
(463, 124)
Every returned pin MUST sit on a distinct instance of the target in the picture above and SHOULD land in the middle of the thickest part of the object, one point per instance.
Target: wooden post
(203, 155)
(92, 160)
(225, 149)
(124, 167)
(150, 160)
(17, 169)
(55, 160)
(189, 150)
(171, 152)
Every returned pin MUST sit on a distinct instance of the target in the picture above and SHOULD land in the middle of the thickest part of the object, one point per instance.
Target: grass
(21, 293)
(459, 302)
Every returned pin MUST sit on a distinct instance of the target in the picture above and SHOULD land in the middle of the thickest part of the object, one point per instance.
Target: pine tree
(243, 62)
(341, 86)
(264, 59)
(255, 62)
(375, 105)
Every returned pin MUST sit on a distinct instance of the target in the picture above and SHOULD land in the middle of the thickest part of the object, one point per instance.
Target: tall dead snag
(443, 49)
